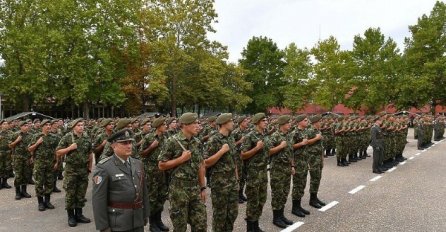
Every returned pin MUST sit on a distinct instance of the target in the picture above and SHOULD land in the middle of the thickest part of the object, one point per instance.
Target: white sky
(306, 21)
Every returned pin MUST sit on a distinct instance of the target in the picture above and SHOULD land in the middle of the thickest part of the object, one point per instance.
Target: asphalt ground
(408, 198)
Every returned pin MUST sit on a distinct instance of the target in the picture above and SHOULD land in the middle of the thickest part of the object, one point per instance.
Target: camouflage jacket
(21, 149)
(225, 167)
(259, 160)
(78, 157)
(45, 152)
(284, 156)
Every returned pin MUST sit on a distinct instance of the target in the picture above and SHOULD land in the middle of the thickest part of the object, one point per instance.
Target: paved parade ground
(410, 197)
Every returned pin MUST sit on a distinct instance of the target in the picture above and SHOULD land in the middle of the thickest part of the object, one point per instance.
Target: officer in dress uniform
(120, 201)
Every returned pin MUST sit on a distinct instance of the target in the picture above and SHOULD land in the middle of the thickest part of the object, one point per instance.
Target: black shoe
(153, 227)
(160, 223)
(314, 202)
(377, 172)
(320, 202)
(60, 177)
(56, 190)
(284, 219)
(250, 226)
(256, 227)
(344, 161)
(18, 194)
(5, 183)
(277, 220)
(47, 202)
(31, 182)
(24, 193)
(80, 217)
(296, 209)
(41, 206)
(71, 218)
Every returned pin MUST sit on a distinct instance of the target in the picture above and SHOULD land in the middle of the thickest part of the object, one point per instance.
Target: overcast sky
(306, 21)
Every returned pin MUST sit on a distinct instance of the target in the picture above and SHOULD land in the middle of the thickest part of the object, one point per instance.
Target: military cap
(158, 122)
(170, 120)
(283, 119)
(212, 118)
(36, 120)
(223, 118)
(105, 122)
(21, 123)
(133, 120)
(188, 118)
(121, 135)
(123, 122)
(315, 118)
(301, 117)
(75, 121)
(257, 117)
(45, 121)
(145, 121)
(241, 118)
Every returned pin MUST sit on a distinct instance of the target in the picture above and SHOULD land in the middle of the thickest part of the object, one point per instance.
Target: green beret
(123, 122)
(121, 135)
(74, 122)
(105, 122)
(170, 120)
(188, 118)
(21, 123)
(257, 117)
(224, 118)
(45, 121)
(212, 118)
(300, 118)
(36, 120)
(145, 121)
(158, 122)
(241, 118)
(133, 120)
(283, 119)
(315, 118)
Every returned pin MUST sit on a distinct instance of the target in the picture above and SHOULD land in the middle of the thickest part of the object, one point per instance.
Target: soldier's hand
(225, 148)
(40, 140)
(283, 144)
(260, 144)
(155, 143)
(19, 138)
(104, 142)
(318, 136)
(304, 142)
(293, 171)
(55, 167)
(203, 196)
(186, 155)
(73, 146)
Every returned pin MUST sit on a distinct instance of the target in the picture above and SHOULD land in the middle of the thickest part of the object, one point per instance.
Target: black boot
(284, 219)
(41, 204)
(24, 193)
(250, 226)
(277, 220)
(256, 227)
(344, 162)
(160, 223)
(333, 151)
(47, 202)
(31, 181)
(296, 209)
(5, 183)
(71, 218)
(314, 202)
(351, 158)
(55, 189)
(18, 194)
(153, 227)
(320, 202)
(80, 217)
(241, 197)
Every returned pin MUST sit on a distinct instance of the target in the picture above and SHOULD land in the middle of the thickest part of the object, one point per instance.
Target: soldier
(281, 169)
(314, 151)
(121, 124)
(299, 141)
(146, 129)
(209, 129)
(58, 166)
(22, 159)
(172, 126)
(255, 151)
(220, 160)
(150, 149)
(239, 136)
(101, 140)
(76, 147)
(42, 148)
(4, 152)
(181, 154)
(377, 143)
(120, 200)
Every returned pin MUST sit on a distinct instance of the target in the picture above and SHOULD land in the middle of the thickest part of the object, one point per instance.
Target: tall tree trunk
(86, 110)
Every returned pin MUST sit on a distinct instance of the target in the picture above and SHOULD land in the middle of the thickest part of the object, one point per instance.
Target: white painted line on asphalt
(357, 189)
(292, 227)
(418, 153)
(411, 158)
(391, 170)
(403, 163)
(376, 178)
(328, 206)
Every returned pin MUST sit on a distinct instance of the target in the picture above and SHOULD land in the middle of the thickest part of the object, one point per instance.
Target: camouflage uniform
(4, 152)
(257, 179)
(21, 156)
(44, 161)
(185, 203)
(76, 169)
(314, 152)
(237, 134)
(223, 183)
(301, 165)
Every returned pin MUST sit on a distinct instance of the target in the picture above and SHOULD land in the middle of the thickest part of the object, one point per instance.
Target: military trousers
(256, 192)
(224, 204)
(22, 170)
(300, 178)
(157, 189)
(75, 184)
(186, 206)
(315, 168)
(378, 152)
(3, 165)
(280, 175)
(44, 178)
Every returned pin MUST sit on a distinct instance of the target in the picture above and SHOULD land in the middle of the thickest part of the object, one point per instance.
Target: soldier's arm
(209, 162)
(250, 153)
(202, 180)
(315, 139)
(34, 146)
(63, 151)
(277, 148)
(16, 141)
(145, 152)
(165, 161)
(100, 198)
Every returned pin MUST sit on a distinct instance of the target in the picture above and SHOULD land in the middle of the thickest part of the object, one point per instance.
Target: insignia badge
(127, 134)
(119, 175)
(97, 179)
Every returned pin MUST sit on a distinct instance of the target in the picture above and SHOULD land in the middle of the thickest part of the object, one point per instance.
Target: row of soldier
(282, 144)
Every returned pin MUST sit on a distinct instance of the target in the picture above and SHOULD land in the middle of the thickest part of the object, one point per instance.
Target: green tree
(264, 62)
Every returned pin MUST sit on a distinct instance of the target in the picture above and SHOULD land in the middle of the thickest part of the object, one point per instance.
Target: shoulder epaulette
(105, 160)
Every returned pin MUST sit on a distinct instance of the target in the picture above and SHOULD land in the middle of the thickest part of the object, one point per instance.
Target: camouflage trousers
(341, 150)
(280, 175)
(75, 184)
(256, 191)
(3, 165)
(157, 189)
(44, 178)
(315, 166)
(224, 204)
(300, 178)
(241, 172)
(22, 170)
(186, 207)
(9, 167)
